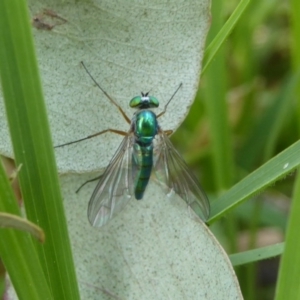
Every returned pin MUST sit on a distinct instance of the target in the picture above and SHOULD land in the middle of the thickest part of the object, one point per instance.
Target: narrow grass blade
(33, 147)
(218, 41)
(275, 169)
(288, 284)
(254, 255)
(288, 280)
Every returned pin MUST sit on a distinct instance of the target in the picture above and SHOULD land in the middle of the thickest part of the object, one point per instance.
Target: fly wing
(172, 171)
(114, 189)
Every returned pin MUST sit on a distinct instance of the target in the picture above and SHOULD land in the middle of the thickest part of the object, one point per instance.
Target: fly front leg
(120, 132)
(166, 106)
(108, 96)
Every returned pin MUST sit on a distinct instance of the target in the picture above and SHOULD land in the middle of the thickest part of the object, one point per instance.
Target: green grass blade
(18, 253)
(218, 41)
(273, 170)
(288, 280)
(289, 273)
(254, 255)
(33, 147)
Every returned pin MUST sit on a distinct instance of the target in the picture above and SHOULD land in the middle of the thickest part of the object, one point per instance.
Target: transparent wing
(172, 172)
(114, 189)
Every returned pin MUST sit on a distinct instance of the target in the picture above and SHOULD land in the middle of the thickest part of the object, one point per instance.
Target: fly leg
(165, 108)
(120, 132)
(106, 94)
(89, 137)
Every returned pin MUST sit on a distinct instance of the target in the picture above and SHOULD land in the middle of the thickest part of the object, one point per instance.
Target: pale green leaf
(128, 48)
(154, 249)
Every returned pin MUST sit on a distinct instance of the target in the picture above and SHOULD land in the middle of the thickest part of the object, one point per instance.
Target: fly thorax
(146, 127)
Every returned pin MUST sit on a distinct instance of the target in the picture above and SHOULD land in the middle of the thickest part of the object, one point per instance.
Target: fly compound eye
(153, 102)
(135, 102)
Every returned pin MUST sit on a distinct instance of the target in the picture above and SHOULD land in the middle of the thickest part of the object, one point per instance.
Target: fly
(145, 148)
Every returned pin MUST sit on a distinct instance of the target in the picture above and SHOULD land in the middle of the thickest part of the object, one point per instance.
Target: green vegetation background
(246, 112)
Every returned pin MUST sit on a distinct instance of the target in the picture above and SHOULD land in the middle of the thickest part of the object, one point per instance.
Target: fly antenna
(165, 108)
(145, 94)
(106, 94)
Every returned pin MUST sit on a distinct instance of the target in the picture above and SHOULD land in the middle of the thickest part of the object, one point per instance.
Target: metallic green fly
(145, 148)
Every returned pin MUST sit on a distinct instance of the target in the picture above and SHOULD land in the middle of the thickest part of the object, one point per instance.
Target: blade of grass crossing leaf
(275, 169)
(18, 253)
(254, 255)
(288, 286)
(33, 147)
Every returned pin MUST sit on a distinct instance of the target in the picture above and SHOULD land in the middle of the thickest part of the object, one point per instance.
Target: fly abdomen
(142, 164)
